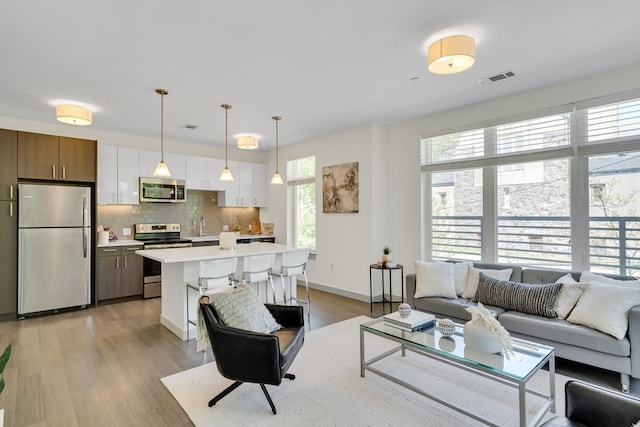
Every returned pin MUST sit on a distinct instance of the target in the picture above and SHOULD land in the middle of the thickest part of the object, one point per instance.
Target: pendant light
(277, 179)
(226, 173)
(161, 169)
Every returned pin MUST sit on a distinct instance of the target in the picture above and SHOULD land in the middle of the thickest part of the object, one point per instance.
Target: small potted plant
(386, 254)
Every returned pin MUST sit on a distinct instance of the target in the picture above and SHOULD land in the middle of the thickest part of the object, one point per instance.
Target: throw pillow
(515, 296)
(474, 278)
(568, 297)
(242, 309)
(567, 279)
(434, 279)
(460, 275)
(589, 277)
(606, 308)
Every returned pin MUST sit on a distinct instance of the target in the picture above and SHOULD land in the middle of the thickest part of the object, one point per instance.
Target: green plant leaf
(1, 384)
(5, 358)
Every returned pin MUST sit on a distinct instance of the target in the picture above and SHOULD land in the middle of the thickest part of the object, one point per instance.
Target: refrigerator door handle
(85, 231)
(84, 212)
(84, 242)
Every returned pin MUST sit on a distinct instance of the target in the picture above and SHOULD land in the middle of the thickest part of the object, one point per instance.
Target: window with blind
(301, 200)
(529, 176)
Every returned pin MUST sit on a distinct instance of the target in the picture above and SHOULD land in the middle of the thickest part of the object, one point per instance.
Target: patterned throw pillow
(515, 296)
(242, 309)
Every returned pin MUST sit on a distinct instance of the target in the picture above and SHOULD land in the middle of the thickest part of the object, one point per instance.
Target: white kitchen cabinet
(117, 175)
(149, 159)
(230, 194)
(128, 176)
(260, 183)
(107, 174)
(248, 188)
(204, 173)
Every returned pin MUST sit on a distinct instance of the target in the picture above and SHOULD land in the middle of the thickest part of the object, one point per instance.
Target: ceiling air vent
(190, 126)
(497, 77)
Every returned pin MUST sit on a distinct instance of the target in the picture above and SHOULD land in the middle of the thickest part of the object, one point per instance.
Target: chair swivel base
(237, 384)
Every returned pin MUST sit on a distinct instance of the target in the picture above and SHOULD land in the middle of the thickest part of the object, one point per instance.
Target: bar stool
(290, 265)
(213, 274)
(256, 269)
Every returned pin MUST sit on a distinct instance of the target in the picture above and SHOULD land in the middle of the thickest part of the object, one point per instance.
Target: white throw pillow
(589, 277)
(567, 279)
(568, 297)
(434, 279)
(474, 278)
(241, 308)
(606, 308)
(460, 275)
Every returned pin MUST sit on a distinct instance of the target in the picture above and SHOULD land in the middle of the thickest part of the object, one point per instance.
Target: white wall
(390, 196)
(389, 175)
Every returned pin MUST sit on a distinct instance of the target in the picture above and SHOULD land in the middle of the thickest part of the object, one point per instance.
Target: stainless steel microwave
(165, 190)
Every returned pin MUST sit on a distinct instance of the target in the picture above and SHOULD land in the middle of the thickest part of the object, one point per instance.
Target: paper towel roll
(227, 240)
(103, 237)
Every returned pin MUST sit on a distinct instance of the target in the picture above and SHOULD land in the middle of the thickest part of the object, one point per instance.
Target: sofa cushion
(516, 296)
(559, 330)
(434, 279)
(474, 278)
(455, 309)
(606, 308)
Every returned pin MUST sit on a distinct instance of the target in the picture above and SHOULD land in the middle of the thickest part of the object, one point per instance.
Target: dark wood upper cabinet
(9, 169)
(56, 158)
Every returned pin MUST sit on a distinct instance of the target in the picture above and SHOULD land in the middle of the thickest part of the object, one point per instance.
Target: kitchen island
(181, 265)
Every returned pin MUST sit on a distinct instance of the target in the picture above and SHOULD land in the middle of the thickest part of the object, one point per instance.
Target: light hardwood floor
(102, 366)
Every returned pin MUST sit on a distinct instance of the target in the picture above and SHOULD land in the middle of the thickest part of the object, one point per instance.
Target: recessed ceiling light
(414, 79)
(189, 126)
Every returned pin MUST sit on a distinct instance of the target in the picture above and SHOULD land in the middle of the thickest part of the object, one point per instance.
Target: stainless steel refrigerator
(54, 247)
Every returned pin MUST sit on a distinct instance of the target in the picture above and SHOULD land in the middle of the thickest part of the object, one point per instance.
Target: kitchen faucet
(201, 225)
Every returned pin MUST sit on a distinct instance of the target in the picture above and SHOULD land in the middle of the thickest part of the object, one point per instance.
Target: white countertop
(202, 253)
(214, 238)
(114, 243)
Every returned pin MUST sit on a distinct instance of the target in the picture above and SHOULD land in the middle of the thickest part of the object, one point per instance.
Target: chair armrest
(593, 405)
(410, 282)
(634, 340)
(287, 315)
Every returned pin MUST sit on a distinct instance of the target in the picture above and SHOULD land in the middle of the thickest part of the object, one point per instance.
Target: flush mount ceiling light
(451, 55)
(226, 172)
(277, 179)
(73, 114)
(248, 142)
(161, 169)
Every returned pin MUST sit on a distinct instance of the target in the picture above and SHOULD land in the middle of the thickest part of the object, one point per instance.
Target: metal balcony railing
(542, 241)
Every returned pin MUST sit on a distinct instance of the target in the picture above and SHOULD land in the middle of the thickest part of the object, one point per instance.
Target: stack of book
(417, 320)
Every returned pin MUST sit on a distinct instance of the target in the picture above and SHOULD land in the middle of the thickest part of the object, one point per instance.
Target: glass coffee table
(516, 371)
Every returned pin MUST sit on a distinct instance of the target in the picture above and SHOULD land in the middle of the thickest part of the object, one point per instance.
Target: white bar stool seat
(213, 274)
(257, 269)
(289, 265)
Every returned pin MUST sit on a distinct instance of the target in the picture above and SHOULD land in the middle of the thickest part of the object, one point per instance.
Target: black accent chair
(252, 357)
(588, 405)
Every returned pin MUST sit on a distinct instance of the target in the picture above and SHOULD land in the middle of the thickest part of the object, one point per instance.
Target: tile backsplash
(198, 204)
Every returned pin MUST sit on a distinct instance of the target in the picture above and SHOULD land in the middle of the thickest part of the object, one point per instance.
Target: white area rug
(328, 389)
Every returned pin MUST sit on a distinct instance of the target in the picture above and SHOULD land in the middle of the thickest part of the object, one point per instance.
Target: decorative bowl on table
(446, 327)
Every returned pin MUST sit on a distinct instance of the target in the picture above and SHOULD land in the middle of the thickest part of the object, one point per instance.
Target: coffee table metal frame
(468, 365)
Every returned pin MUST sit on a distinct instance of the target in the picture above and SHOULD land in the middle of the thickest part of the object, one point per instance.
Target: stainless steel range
(157, 236)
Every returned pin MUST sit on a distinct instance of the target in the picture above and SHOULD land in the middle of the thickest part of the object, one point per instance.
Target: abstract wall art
(340, 188)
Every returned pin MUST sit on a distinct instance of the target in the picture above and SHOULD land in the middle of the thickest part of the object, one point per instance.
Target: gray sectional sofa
(571, 341)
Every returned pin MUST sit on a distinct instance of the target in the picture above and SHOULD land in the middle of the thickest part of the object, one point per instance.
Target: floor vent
(497, 77)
